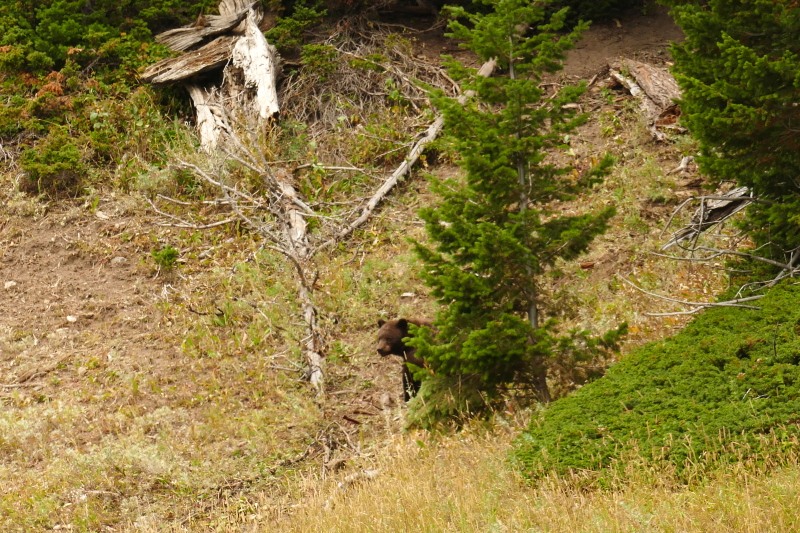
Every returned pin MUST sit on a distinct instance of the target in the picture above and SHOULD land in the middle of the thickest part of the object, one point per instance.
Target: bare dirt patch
(636, 36)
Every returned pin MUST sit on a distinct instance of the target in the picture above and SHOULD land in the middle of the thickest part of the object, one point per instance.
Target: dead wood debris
(713, 210)
(250, 67)
(280, 216)
(697, 306)
(656, 91)
(182, 39)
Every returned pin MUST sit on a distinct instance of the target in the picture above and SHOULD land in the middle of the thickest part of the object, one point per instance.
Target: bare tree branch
(730, 303)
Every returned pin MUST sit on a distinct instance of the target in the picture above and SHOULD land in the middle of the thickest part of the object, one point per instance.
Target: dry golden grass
(464, 483)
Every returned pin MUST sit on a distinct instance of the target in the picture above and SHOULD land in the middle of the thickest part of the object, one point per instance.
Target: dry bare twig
(698, 305)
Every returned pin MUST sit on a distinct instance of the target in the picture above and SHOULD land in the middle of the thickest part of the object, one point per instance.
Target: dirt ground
(130, 394)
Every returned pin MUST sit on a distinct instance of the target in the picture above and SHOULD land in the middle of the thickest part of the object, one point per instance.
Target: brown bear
(390, 342)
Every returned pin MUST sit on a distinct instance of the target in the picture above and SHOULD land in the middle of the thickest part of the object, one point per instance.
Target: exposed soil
(636, 36)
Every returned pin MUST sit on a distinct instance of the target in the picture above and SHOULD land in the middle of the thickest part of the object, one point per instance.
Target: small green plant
(370, 62)
(166, 257)
(320, 60)
(607, 95)
(609, 123)
(395, 96)
(288, 32)
(54, 163)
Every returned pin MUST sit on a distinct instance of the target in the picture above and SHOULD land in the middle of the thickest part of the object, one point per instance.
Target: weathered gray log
(229, 8)
(212, 56)
(657, 83)
(656, 90)
(181, 39)
(650, 109)
(250, 76)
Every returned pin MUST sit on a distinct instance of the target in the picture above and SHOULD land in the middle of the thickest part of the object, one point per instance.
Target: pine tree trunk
(533, 311)
(540, 379)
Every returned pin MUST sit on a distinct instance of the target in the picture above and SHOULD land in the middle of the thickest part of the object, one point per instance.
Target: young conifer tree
(739, 68)
(495, 235)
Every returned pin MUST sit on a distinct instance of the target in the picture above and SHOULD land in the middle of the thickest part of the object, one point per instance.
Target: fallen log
(173, 70)
(656, 91)
(657, 83)
(182, 39)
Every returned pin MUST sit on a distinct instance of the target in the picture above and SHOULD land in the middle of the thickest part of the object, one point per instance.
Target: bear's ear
(381, 322)
(402, 324)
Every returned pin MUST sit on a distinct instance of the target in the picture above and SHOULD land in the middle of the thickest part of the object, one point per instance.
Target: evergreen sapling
(495, 235)
(739, 69)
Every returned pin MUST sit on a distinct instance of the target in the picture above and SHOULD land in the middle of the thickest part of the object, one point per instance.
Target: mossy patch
(723, 388)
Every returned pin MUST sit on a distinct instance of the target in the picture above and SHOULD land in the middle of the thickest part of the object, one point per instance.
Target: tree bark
(657, 83)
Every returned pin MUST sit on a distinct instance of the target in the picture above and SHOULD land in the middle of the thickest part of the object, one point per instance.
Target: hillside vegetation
(724, 389)
(151, 375)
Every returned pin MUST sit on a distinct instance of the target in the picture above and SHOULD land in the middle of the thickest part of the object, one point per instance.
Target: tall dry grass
(463, 483)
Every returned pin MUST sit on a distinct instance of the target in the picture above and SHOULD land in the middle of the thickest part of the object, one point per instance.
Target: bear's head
(390, 337)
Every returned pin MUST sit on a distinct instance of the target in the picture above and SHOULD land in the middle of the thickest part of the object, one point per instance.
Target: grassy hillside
(135, 398)
(726, 387)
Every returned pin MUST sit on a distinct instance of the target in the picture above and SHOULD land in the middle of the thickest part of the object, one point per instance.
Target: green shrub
(166, 257)
(320, 60)
(288, 31)
(54, 163)
(10, 121)
(47, 30)
(712, 393)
